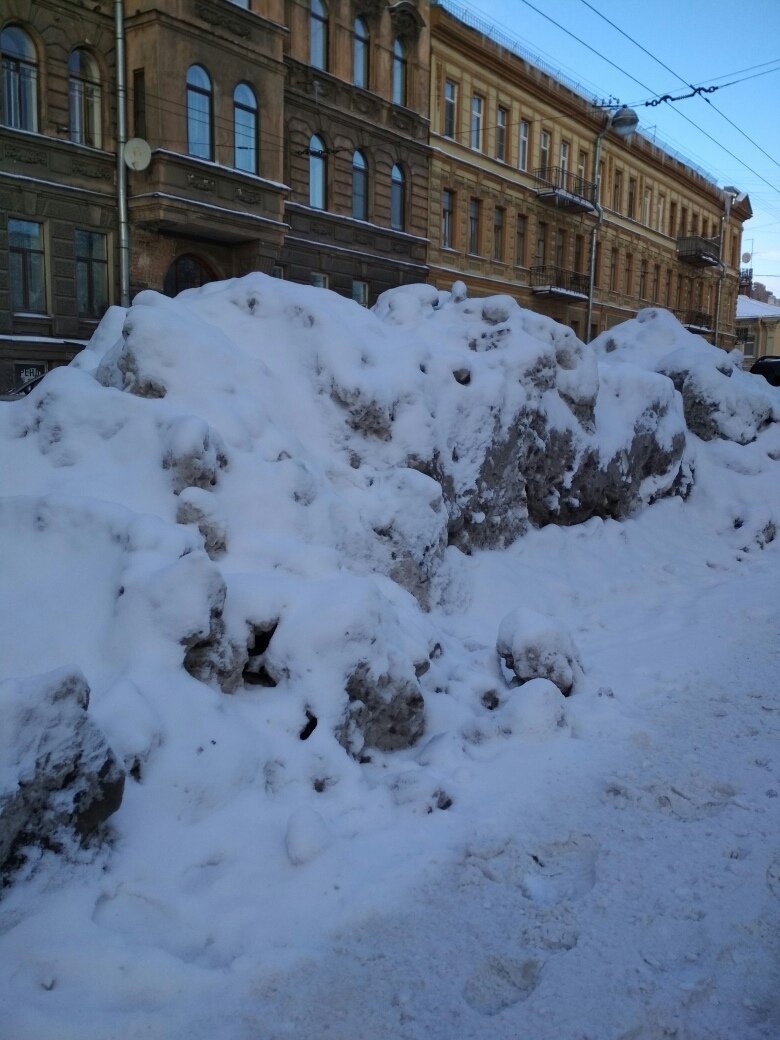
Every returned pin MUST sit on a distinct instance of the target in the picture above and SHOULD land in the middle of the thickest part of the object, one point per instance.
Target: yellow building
(514, 205)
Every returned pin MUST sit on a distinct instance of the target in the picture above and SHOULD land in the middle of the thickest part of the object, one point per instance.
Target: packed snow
(440, 652)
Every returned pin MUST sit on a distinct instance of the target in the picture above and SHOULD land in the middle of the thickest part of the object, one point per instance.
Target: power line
(683, 80)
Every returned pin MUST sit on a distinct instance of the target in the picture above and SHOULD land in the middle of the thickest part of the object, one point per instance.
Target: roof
(747, 308)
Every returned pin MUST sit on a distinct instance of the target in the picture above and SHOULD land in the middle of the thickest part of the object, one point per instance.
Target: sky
(732, 133)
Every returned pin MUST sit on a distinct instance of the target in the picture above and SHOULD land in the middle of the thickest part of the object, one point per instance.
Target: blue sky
(701, 43)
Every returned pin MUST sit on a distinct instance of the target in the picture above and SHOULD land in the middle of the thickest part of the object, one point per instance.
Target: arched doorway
(186, 272)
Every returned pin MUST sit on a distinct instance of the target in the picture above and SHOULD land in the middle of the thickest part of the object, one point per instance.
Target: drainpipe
(121, 169)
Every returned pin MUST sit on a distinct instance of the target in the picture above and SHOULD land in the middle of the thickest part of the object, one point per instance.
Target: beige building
(515, 207)
(758, 329)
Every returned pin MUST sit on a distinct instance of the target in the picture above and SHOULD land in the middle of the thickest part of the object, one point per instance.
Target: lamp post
(623, 123)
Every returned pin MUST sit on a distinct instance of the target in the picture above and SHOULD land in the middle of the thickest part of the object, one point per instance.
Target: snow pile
(720, 399)
(252, 519)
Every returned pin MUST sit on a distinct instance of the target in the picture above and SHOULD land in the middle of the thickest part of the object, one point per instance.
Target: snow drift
(262, 490)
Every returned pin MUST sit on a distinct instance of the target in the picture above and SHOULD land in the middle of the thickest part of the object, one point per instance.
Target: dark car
(769, 368)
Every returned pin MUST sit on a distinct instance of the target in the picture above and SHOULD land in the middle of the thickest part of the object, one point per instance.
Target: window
(522, 145)
(245, 128)
(319, 280)
(521, 239)
(560, 248)
(660, 205)
(450, 108)
(27, 274)
(318, 34)
(656, 283)
(360, 44)
(582, 169)
(541, 243)
(91, 273)
(564, 161)
(643, 280)
(477, 109)
(397, 199)
(579, 253)
(544, 152)
(317, 173)
(596, 270)
(683, 220)
(360, 292)
(139, 102)
(198, 112)
(20, 79)
(628, 280)
(502, 118)
(278, 271)
(447, 218)
(399, 73)
(647, 205)
(613, 269)
(632, 197)
(617, 190)
(474, 229)
(84, 99)
(499, 220)
(359, 187)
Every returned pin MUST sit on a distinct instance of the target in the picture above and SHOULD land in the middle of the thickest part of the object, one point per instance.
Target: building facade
(354, 144)
(520, 198)
(758, 329)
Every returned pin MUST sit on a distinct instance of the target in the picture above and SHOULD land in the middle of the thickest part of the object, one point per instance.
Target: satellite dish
(137, 154)
(746, 258)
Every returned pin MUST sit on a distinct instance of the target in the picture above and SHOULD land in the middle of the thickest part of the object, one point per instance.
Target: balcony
(696, 321)
(698, 252)
(565, 189)
(547, 280)
(745, 281)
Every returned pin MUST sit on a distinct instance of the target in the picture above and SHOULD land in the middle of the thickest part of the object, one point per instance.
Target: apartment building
(286, 136)
(356, 145)
(517, 205)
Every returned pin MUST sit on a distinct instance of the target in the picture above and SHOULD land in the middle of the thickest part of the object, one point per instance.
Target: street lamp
(622, 123)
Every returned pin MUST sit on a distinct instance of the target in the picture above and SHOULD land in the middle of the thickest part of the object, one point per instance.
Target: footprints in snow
(550, 876)
(698, 799)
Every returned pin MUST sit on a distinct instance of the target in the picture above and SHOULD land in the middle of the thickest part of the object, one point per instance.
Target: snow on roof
(747, 308)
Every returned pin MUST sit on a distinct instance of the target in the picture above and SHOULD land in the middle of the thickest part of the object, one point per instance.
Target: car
(22, 389)
(769, 368)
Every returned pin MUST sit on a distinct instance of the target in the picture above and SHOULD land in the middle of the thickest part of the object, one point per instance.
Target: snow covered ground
(604, 866)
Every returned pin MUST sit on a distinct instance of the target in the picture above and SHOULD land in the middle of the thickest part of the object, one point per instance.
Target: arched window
(397, 199)
(359, 187)
(199, 112)
(20, 79)
(318, 34)
(317, 173)
(360, 53)
(84, 98)
(399, 73)
(245, 128)
(186, 272)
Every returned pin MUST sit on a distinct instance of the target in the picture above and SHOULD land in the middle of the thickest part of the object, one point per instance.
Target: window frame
(318, 173)
(521, 240)
(242, 106)
(475, 226)
(450, 110)
(447, 218)
(20, 105)
(499, 226)
(398, 195)
(361, 53)
(31, 267)
(318, 35)
(87, 264)
(359, 186)
(477, 122)
(85, 101)
(194, 114)
(502, 123)
(545, 149)
(523, 144)
(400, 84)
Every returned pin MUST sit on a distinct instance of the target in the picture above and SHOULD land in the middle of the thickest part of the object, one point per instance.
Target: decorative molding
(407, 20)
(30, 156)
(251, 198)
(197, 180)
(91, 170)
(221, 20)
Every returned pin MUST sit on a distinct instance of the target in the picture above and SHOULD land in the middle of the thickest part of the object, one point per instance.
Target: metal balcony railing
(698, 251)
(557, 281)
(564, 187)
(696, 321)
